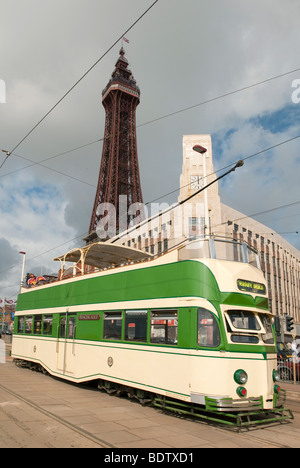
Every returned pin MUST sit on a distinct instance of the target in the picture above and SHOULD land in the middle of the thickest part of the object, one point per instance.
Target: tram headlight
(241, 377)
(276, 376)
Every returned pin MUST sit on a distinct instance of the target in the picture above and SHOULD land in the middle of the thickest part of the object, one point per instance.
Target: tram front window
(248, 327)
(243, 319)
(220, 249)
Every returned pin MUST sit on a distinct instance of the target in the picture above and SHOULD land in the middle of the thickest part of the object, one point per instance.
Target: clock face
(196, 182)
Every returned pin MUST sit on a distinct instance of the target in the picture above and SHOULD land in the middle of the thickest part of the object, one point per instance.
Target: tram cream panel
(36, 349)
(176, 373)
(213, 374)
(227, 274)
(137, 366)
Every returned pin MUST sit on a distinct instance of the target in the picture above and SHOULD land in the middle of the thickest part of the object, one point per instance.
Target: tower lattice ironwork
(119, 170)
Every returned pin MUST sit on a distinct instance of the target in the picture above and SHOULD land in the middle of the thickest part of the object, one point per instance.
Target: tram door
(66, 343)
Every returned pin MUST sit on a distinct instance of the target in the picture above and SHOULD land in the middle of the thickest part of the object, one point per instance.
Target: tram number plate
(251, 286)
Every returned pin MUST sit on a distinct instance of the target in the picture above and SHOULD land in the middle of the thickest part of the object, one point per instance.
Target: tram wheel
(145, 398)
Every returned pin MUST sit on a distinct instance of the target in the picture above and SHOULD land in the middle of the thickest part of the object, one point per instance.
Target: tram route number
(150, 457)
(251, 286)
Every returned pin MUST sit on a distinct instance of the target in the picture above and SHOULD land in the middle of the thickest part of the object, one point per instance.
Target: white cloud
(181, 53)
(32, 220)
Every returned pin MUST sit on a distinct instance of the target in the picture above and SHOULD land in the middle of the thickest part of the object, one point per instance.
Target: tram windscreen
(230, 251)
(220, 249)
(244, 320)
(248, 327)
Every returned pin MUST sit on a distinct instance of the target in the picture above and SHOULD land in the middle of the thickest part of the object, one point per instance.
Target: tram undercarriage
(225, 411)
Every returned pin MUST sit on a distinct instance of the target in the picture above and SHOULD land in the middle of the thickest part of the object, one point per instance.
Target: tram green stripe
(180, 279)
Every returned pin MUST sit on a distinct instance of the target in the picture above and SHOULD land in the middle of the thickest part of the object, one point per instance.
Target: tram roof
(104, 255)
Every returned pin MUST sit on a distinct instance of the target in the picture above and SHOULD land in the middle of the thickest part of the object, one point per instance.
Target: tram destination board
(89, 317)
(251, 286)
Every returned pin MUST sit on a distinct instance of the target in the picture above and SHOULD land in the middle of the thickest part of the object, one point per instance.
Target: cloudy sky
(182, 54)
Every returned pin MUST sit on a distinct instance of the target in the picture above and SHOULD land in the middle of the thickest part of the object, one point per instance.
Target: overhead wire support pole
(240, 163)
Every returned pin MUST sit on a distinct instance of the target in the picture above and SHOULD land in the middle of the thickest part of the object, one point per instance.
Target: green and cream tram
(189, 330)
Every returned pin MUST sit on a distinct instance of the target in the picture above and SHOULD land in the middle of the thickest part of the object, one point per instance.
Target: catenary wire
(78, 81)
(156, 119)
(82, 235)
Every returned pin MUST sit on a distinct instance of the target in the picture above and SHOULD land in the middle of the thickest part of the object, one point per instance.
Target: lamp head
(199, 149)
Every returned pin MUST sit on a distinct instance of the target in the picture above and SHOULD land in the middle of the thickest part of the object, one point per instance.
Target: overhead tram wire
(158, 215)
(230, 93)
(257, 214)
(49, 159)
(77, 82)
(150, 121)
(101, 139)
(146, 123)
(226, 167)
(8, 153)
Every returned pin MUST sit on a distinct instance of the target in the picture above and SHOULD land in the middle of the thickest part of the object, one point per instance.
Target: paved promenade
(37, 410)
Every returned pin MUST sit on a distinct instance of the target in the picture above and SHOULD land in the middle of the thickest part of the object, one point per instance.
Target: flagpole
(23, 269)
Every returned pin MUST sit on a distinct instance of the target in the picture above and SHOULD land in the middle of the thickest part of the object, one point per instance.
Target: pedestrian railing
(289, 370)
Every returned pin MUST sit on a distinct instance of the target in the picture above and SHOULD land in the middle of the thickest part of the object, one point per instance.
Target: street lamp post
(240, 163)
(202, 150)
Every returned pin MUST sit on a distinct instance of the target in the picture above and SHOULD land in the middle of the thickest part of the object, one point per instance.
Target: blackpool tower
(119, 179)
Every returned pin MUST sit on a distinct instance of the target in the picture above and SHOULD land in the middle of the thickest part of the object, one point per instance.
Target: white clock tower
(197, 171)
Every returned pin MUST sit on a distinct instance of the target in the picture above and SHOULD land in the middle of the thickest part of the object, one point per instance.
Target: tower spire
(119, 170)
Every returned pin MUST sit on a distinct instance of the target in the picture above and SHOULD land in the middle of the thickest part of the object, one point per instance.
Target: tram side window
(112, 326)
(48, 320)
(268, 337)
(28, 325)
(21, 324)
(71, 327)
(136, 325)
(62, 330)
(208, 329)
(37, 325)
(164, 326)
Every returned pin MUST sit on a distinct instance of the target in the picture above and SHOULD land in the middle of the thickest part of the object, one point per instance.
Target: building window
(159, 246)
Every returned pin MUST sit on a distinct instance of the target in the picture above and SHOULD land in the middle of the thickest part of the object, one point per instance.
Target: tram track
(259, 436)
(248, 435)
(97, 440)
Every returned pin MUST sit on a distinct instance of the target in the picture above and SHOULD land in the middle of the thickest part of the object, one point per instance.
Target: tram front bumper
(226, 404)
